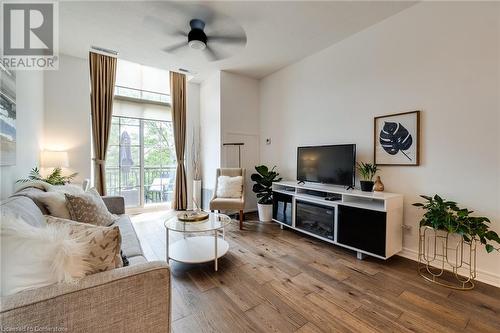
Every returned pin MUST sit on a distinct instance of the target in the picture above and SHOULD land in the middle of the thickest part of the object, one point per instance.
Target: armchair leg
(241, 219)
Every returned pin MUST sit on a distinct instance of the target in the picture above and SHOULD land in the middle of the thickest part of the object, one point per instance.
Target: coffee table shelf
(198, 248)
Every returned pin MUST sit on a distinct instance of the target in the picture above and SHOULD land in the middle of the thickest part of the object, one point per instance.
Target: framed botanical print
(397, 139)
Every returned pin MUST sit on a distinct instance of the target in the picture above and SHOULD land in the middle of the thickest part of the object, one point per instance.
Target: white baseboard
(482, 276)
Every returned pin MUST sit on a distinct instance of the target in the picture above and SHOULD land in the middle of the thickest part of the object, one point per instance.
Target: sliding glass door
(140, 164)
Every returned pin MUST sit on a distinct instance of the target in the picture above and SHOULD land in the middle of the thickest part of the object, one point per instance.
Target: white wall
(240, 123)
(29, 124)
(210, 134)
(441, 58)
(67, 113)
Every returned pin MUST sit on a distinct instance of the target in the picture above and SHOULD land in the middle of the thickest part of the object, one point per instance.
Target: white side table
(199, 248)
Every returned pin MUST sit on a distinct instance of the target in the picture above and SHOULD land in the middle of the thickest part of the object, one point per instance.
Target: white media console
(367, 222)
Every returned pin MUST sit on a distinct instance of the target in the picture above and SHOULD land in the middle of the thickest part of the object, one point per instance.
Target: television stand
(369, 223)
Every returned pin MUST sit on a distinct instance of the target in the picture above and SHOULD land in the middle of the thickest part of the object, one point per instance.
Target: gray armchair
(237, 204)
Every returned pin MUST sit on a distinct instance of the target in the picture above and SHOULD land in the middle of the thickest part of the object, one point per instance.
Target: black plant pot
(366, 185)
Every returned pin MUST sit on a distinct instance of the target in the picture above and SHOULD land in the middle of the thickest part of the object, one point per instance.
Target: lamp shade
(55, 159)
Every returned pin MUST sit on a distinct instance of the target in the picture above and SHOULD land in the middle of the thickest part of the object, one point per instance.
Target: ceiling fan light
(197, 44)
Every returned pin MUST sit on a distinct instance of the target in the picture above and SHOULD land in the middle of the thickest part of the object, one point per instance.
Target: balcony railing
(159, 184)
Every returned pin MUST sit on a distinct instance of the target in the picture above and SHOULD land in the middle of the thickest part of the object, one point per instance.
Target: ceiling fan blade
(154, 23)
(228, 39)
(174, 47)
(211, 54)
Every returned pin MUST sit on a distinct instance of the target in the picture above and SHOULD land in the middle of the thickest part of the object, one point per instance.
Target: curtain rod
(104, 51)
(233, 144)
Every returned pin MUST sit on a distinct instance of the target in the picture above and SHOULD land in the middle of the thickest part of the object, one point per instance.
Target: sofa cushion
(31, 193)
(89, 208)
(25, 208)
(229, 187)
(130, 243)
(103, 243)
(54, 202)
(33, 257)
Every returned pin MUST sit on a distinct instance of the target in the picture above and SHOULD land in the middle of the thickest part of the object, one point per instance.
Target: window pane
(112, 156)
(131, 196)
(129, 135)
(129, 177)
(114, 133)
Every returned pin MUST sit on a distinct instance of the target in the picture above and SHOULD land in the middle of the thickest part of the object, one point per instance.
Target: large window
(140, 163)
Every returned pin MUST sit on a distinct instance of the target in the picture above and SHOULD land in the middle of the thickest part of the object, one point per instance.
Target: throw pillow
(229, 187)
(68, 188)
(34, 257)
(103, 244)
(89, 208)
(55, 202)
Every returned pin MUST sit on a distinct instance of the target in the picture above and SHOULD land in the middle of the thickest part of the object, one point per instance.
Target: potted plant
(441, 214)
(54, 178)
(367, 171)
(264, 179)
(447, 242)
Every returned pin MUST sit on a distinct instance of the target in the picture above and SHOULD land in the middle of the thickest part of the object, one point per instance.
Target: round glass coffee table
(198, 248)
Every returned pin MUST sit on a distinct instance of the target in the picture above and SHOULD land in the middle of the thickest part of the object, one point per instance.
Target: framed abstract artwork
(397, 139)
(7, 117)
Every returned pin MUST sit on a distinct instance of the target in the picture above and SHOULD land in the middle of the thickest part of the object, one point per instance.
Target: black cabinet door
(282, 207)
(363, 229)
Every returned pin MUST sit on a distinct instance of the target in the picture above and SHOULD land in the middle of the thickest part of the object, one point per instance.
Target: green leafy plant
(54, 178)
(445, 215)
(264, 179)
(367, 170)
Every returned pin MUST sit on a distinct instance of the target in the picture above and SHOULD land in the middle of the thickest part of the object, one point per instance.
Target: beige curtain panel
(178, 92)
(102, 87)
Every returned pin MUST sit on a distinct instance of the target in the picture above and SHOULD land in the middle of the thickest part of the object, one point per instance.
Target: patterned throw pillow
(103, 243)
(89, 208)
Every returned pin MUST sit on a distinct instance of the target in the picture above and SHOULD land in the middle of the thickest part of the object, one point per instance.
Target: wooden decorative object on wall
(397, 139)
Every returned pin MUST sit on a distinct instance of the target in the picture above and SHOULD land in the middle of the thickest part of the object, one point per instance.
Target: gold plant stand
(446, 259)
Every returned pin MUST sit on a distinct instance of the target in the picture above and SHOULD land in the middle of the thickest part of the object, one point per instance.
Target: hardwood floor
(275, 280)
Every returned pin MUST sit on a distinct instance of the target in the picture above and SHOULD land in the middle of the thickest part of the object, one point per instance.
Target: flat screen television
(334, 164)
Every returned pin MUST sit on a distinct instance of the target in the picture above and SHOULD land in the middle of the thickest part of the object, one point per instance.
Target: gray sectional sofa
(135, 298)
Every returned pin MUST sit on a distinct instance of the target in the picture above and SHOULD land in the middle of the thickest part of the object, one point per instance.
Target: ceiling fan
(197, 39)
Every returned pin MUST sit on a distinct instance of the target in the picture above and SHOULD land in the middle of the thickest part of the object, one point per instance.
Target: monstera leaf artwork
(395, 138)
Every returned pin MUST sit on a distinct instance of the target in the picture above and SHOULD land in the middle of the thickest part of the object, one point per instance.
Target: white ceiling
(278, 33)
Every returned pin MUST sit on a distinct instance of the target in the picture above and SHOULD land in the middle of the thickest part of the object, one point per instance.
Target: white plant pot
(196, 194)
(265, 212)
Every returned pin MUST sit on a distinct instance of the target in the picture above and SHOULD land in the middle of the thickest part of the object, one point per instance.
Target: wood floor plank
(201, 279)
(444, 313)
(187, 324)
(284, 308)
(423, 324)
(268, 319)
(348, 320)
(309, 310)
(309, 328)
(378, 320)
(238, 287)
(348, 300)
